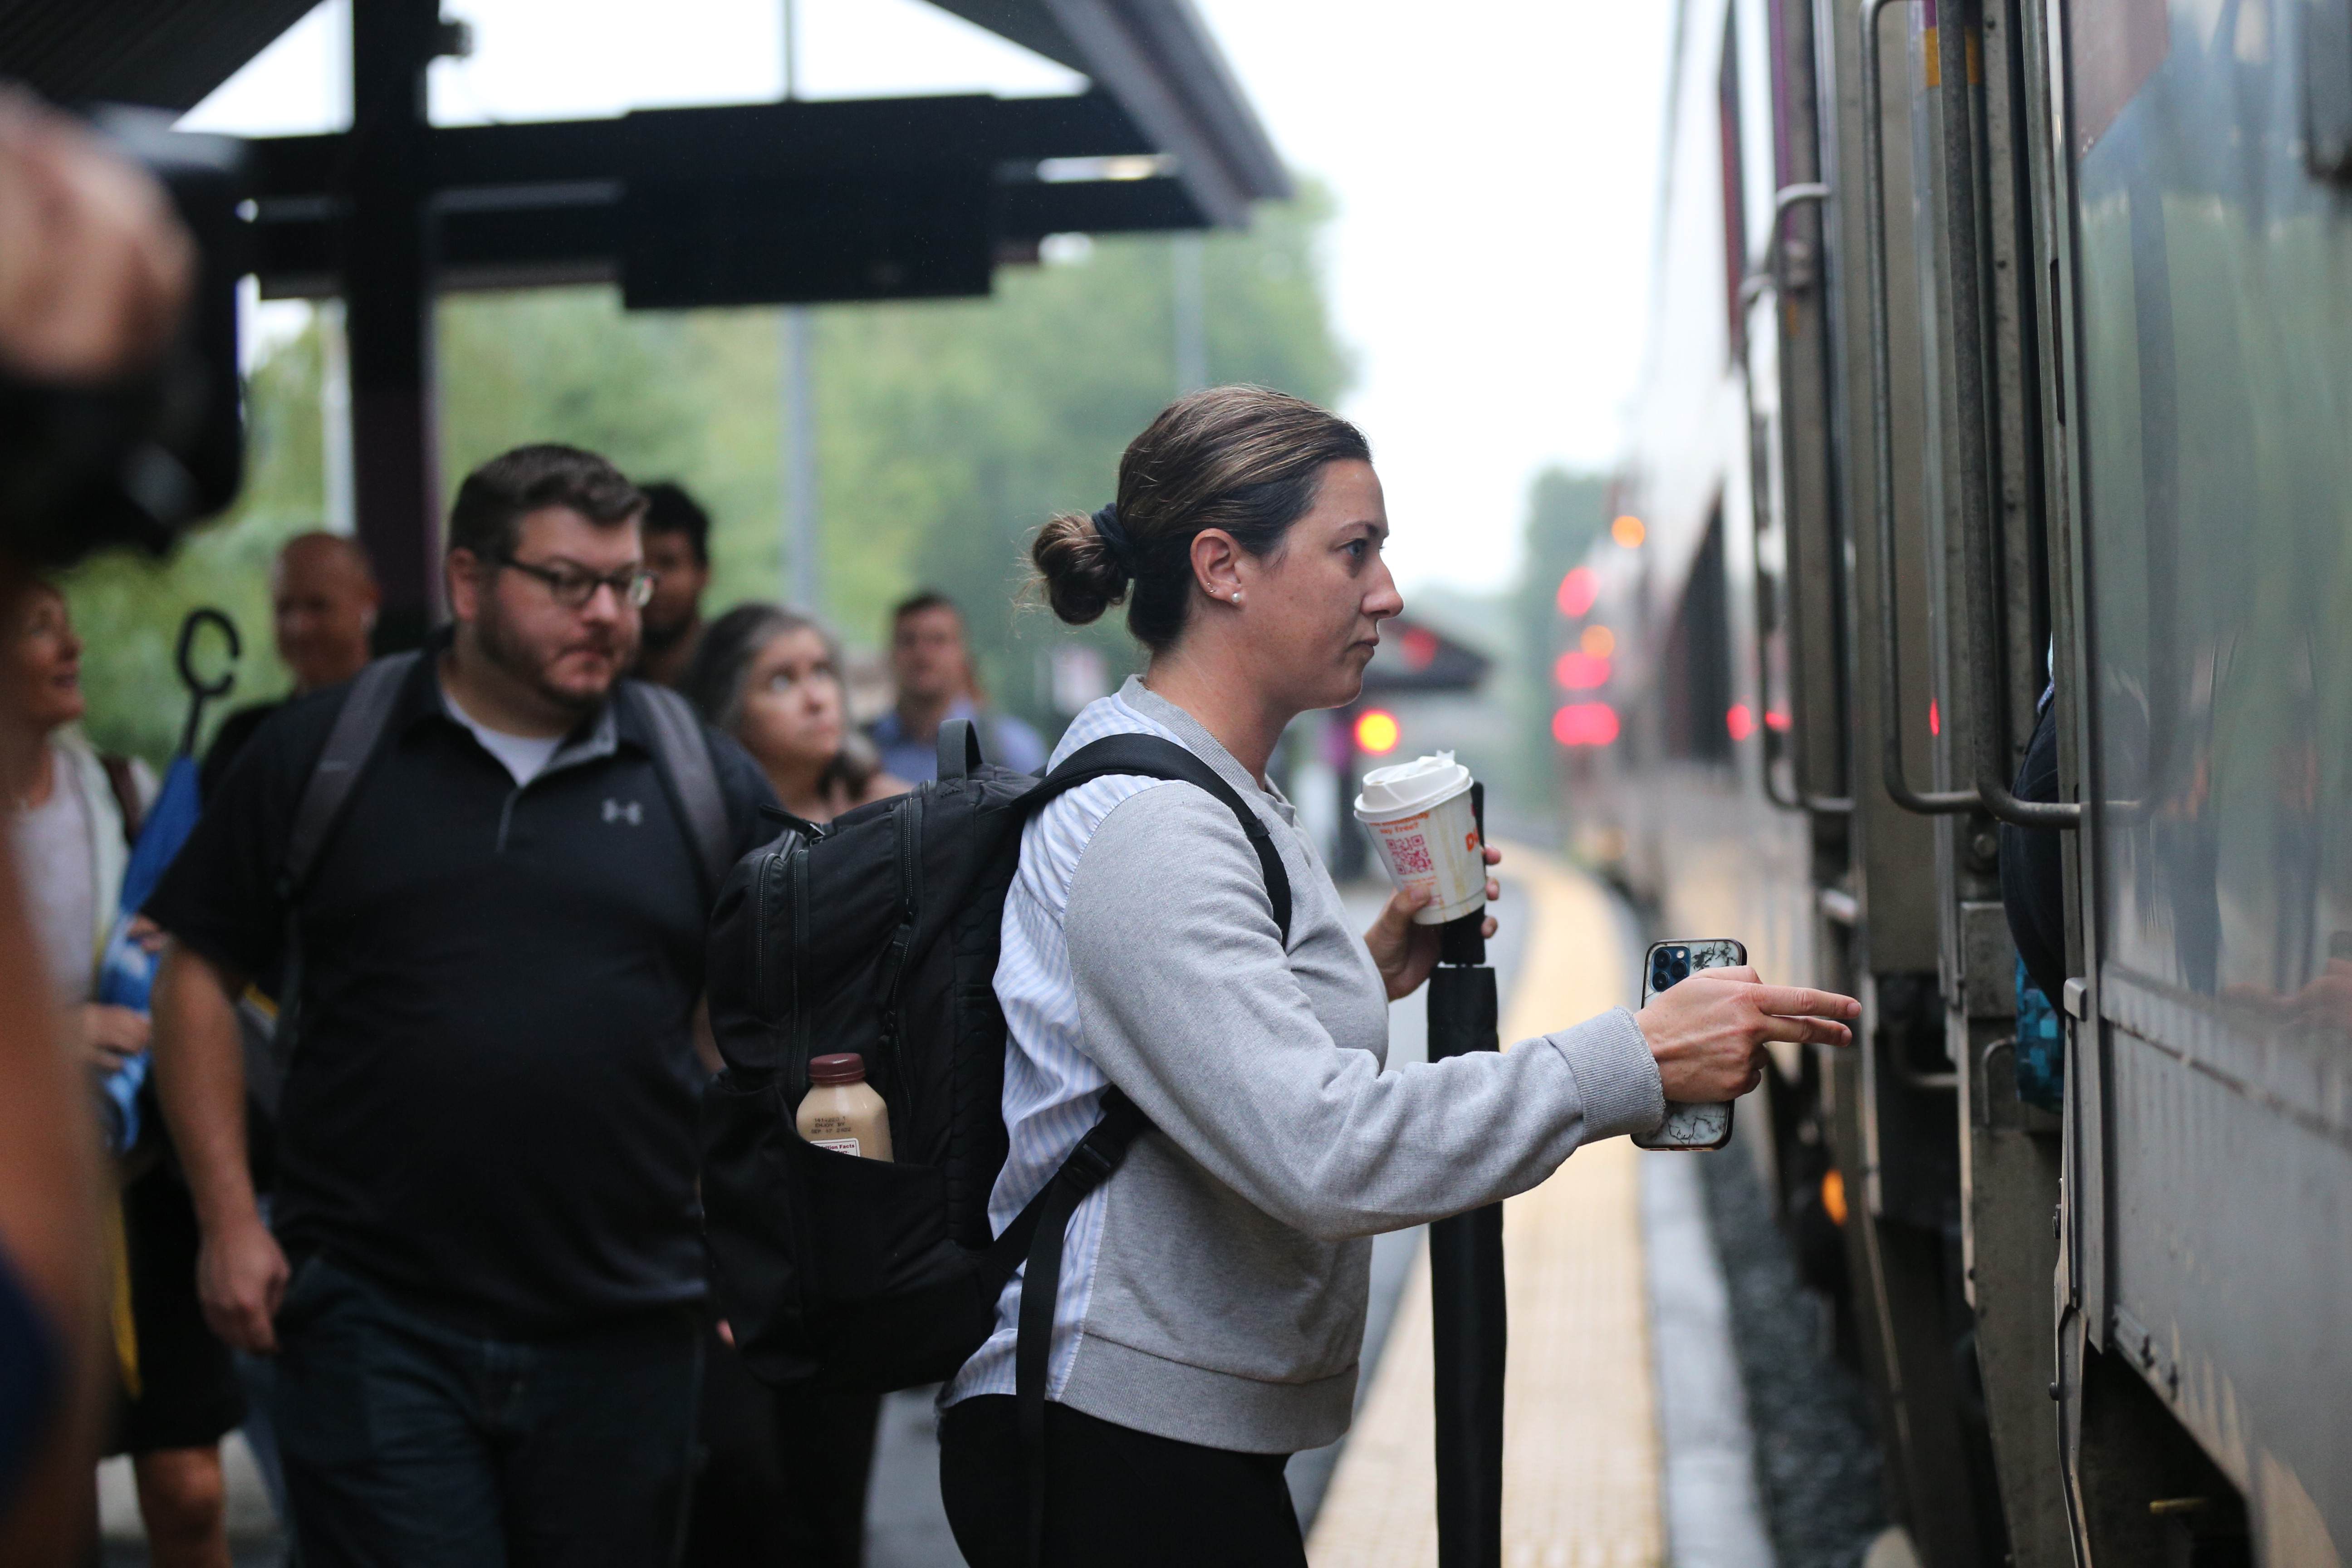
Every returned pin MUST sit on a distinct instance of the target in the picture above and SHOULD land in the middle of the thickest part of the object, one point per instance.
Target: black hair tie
(1114, 538)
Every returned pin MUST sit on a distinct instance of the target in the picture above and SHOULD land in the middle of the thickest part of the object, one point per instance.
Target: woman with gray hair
(772, 678)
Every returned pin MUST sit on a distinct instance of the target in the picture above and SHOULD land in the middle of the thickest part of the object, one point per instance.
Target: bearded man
(481, 1270)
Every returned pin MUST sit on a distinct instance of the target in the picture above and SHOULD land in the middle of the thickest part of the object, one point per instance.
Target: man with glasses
(482, 1282)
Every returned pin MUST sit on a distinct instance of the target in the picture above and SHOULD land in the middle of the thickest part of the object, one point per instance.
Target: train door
(1898, 1102)
(2201, 164)
(1974, 221)
(1801, 614)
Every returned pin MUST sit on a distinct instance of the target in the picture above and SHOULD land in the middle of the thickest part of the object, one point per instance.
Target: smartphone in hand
(1686, 1126)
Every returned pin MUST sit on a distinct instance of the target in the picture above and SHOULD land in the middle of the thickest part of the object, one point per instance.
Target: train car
(1999, 362)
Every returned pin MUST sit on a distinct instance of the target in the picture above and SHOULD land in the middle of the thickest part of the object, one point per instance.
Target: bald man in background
(323, 604)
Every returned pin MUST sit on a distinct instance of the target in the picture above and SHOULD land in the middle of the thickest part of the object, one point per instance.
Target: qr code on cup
(1411, 852)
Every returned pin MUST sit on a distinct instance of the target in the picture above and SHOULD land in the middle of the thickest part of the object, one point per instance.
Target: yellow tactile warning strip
(1580, 1434)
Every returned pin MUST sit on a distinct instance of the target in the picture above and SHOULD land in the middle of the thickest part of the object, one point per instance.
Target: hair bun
(1083, 575)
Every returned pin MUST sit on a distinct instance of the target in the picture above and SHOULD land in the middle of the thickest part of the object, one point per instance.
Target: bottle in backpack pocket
(842, 1111)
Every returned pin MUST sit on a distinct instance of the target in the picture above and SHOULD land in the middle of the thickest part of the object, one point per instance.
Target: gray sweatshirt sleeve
(1189, 1005)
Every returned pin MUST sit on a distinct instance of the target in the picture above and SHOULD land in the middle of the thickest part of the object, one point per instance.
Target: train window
(1697, 671)
(1734, 198)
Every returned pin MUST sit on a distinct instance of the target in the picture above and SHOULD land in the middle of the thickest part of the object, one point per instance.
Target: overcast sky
(1492, 161)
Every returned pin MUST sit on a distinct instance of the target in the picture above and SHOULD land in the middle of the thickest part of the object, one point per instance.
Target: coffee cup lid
(1403, 786)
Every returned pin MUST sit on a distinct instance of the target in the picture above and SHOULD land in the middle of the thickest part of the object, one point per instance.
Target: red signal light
(1740, 721)
(1775, 718)
(1579, 671)
(1578, 590)
(1935, 719)
(1585, 724)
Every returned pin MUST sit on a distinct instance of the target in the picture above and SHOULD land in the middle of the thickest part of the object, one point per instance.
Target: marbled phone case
(1688, 1127)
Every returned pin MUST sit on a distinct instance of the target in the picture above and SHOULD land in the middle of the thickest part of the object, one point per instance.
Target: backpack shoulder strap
(684, 755)
(1149, 756)
(959, 748)
(1033, 1243)
(123, 779)
(352, 741)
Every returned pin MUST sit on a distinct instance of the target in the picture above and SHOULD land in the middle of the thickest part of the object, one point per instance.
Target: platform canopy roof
(738, 205)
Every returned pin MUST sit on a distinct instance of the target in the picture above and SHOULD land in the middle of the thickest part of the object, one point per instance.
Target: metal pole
(804, 563)
(387, 282)
(1470, 1321)
(1188, 297)
(335, 417)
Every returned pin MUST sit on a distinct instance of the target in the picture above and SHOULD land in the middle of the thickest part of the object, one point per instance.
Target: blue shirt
(1008, 743)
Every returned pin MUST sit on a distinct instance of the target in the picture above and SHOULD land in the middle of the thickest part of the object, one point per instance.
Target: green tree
(947, 432)
(967, 425)
(128, 607)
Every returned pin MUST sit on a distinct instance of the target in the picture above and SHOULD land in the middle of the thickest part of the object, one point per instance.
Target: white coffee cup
(1420, 818)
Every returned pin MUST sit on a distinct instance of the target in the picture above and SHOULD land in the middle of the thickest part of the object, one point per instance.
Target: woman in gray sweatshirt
(1211, 1305)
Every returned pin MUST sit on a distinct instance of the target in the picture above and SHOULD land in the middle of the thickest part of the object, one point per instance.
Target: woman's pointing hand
(1709, 1032)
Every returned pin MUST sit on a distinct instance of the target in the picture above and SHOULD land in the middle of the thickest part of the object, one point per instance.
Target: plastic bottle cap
(1405, 786)
(846, 1067)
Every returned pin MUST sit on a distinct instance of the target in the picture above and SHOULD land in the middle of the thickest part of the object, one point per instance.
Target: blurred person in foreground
(74, 817)
(322, 605)
(485, 1280)
(677, 553)
(95, 274)
(931, 666)
(784, 1475)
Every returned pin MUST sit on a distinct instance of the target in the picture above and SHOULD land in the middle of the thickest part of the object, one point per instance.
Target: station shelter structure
(793, 201)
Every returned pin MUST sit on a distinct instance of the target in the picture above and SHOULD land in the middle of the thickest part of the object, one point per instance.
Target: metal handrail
(1981, 611)
(1763, 278)
(1882, 410)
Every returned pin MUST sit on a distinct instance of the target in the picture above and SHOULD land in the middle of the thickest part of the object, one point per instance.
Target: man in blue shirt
(930, 664)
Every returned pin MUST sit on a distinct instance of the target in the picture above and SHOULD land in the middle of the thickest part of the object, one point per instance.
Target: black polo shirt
(491, 1107)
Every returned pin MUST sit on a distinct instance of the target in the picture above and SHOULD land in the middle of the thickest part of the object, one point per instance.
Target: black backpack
(878, 933)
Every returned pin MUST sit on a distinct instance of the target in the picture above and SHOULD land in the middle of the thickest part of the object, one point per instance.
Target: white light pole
(804, 566)
(335, 418)
(1189, 296)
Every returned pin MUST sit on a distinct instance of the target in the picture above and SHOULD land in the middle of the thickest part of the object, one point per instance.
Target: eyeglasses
(573, 588)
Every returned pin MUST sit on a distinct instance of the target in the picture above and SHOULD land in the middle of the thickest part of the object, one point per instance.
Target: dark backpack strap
(1034, 1239)
(1149, 756)
(1033, 1242)
(351, 742)
(367, 707)
(684, 755)
(123, 781)
(960, 749)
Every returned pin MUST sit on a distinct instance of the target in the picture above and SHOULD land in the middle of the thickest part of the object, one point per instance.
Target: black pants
(1114, 1497)
(784, 1475)
(409, 1444)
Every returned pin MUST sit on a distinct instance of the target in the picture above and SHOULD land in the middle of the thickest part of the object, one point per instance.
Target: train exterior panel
(1999, 363)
